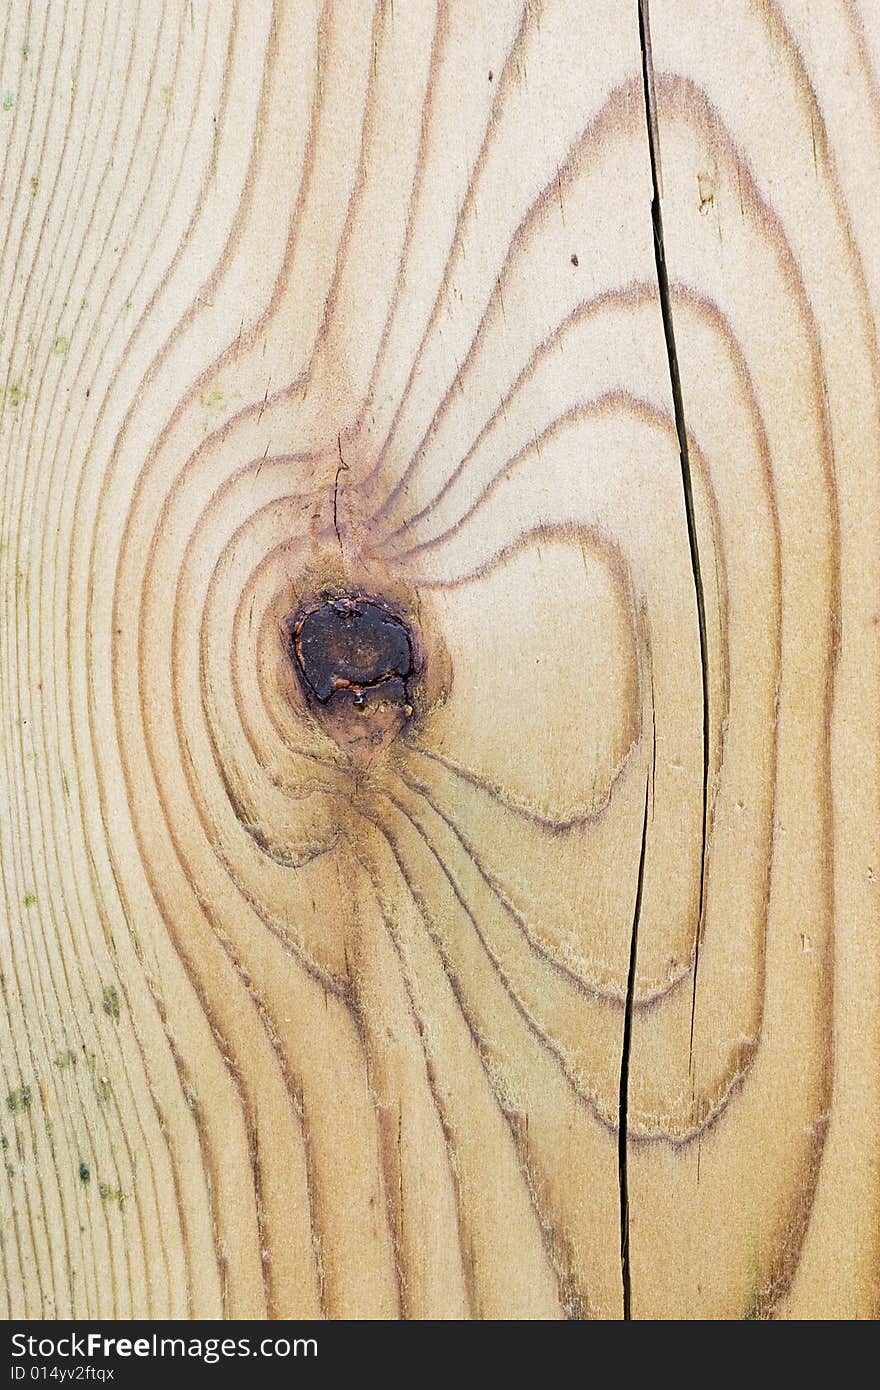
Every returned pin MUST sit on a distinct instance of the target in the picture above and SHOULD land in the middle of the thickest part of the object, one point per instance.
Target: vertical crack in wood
(687, 484)
(623, 1103)
(342, 468)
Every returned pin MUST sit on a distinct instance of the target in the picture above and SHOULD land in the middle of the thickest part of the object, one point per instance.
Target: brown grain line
(49, 567)
(708, 1112)
(390, 1165)
(296, 1094)
(438, 43)
(528, 14)
(13, 789)
(243, 341)
(582, 311)
(618, 101)
(79, 495)
(587, 988)
(124, 1059)
(547, 1238)
(43, 709)
(431, 1080)
(153, 70)
(335, 985)
(11, 475)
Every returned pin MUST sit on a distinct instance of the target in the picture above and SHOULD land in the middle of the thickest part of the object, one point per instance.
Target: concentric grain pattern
(535, 974)
(769, 273)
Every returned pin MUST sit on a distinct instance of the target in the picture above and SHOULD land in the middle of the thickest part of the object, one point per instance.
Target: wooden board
(527, 351)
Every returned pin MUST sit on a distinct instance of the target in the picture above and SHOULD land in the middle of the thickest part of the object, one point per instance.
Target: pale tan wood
(365, 298)
(763, 142)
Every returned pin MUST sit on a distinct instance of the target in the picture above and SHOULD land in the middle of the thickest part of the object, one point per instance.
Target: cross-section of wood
(439, 680)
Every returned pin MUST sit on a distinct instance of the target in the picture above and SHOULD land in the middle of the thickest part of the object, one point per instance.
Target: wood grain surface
(542, 979)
